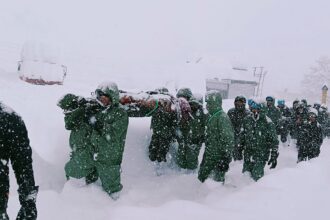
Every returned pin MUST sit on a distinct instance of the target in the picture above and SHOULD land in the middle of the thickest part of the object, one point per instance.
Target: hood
(213, 102)
(195, 104)
(162, 90)
(185, 93)
(110, 89)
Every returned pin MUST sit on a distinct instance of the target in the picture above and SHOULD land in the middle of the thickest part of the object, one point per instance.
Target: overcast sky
(284, 36)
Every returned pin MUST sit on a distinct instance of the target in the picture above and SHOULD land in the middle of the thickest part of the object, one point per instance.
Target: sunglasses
(100, 93)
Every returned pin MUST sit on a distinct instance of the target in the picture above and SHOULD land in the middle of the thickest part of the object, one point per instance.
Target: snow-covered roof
(217, 67)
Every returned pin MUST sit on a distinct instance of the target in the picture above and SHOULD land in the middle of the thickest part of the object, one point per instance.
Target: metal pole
(263, 80)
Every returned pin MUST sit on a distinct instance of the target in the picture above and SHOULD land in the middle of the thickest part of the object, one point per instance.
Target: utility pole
(324, 94)
(261, 75)
(262, 82)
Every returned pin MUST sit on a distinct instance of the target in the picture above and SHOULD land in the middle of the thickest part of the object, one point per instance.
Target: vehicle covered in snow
(40, 64)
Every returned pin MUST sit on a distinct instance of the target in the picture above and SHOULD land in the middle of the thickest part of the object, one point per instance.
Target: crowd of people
(252, 134)
(250, 131)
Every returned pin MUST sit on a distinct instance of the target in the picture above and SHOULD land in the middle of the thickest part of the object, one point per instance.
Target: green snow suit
(163, 124)
(219, 140)
(190, 137)
(107, 141)
(259, 140)
(236, 117)
(275, 115)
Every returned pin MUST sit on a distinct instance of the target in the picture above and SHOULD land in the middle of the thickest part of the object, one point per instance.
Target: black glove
(4, 216)
(223, 166)
(273, 159)
(3, 206)
(27, 199)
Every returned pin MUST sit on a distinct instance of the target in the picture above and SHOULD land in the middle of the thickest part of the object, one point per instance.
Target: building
(230, 88)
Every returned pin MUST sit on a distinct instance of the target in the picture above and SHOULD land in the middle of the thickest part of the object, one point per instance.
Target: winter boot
(92, 177)
(115, 195)
(27, 199)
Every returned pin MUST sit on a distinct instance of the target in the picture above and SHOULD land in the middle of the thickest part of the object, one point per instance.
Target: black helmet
(270, 99)
(317, 106)
(240, 98)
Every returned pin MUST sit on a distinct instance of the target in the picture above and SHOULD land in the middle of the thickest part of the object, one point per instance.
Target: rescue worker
(260, 142)
(190, 131)
(15, 148)
(310, 138)
(219, 140)
(109, 128)
(237, 115)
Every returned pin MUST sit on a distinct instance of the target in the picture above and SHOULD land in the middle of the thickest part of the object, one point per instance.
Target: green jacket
(197, 124)
(259, 137)
(108, 137)
(275, 115)
(219, 132)
(236, 117)
(219, 140)
(77, 122)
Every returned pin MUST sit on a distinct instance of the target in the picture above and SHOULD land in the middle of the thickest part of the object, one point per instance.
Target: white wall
(235, 89)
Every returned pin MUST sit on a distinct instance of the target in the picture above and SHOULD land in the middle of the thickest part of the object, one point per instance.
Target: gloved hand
(273, 159)
(3, 206)
(27, 199)
(223, 165)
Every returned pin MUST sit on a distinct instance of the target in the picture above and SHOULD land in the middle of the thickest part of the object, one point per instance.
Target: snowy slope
(290, 191)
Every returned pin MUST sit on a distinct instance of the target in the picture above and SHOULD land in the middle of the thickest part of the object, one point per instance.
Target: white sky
(284, 36)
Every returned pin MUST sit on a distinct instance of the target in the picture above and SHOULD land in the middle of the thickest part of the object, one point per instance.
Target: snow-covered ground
(143, 45)
(291, 191)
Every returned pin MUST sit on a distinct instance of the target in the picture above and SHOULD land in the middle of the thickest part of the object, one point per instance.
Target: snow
(41, 60)
(6, 108)
(108, 85)
(291, 191)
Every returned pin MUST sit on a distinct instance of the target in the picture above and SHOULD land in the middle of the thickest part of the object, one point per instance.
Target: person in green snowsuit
(219, 140)
(163, 124)
(163, 120)
(260, 142)
(273, 113)
(77, 111)
(310, 138)
(107, 140)
(190, 132)
(284, 123)
(237, 115)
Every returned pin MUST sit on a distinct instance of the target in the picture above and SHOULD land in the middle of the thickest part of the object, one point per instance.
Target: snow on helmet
(185, 93)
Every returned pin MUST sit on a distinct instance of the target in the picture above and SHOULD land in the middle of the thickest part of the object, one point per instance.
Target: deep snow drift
(291, 191)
